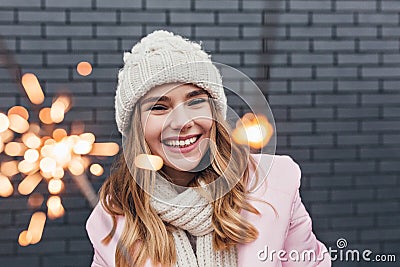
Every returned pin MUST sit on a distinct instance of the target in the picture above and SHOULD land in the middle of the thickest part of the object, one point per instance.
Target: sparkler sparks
(39, 154)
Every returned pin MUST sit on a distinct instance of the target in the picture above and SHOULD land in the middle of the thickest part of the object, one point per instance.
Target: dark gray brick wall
(329, 68)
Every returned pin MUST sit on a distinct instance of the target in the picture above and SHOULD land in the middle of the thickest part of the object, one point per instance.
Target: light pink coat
(290, 231)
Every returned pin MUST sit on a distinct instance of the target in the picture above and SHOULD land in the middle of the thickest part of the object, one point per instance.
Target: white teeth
(181, 143)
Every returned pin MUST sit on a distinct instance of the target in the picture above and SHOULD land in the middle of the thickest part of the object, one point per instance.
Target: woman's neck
(180, 178)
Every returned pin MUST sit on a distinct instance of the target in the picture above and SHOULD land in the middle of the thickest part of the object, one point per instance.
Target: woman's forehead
(171, 89)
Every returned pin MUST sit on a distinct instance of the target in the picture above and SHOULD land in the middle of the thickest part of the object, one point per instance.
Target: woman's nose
(180, 118)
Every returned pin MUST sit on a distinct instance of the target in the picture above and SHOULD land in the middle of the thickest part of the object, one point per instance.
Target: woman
(209, 204)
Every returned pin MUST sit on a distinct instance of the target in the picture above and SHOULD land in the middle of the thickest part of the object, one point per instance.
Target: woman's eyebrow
(155, 99)
(168, 99)
(196, 93)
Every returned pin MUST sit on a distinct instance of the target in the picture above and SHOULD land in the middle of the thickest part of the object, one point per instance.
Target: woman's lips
(181, 137)
(185, 149)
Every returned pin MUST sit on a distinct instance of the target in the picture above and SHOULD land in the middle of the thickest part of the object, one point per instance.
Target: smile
(181, 143)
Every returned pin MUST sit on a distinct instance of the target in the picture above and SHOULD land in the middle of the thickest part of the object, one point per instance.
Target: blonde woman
(209, 204)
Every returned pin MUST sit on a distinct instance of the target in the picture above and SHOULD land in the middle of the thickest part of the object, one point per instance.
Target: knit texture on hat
(159, 58)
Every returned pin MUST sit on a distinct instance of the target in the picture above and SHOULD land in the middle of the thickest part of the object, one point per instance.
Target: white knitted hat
(162, 57)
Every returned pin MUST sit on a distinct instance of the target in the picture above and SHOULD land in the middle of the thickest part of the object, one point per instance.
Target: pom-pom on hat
(159, 58)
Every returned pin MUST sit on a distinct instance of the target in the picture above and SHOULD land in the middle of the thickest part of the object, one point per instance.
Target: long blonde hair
(145, 235)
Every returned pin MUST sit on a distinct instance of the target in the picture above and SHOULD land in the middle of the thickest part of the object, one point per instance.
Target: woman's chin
(184, 167)
(189, 164)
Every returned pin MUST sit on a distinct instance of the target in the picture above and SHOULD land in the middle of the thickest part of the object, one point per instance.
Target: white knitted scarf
(189, 211)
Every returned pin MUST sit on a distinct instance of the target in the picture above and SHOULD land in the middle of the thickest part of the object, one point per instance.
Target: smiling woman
(209, 204)
(177, 121)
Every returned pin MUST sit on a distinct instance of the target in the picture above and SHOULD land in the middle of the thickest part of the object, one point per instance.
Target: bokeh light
(55, 186)
(57, 112)
(27, 167)
(6, 136)
(39, 151)
(253, 130)
(32, 88)
(36, 226)
(35, 200)
(82, 147)
(104, 149)
(96, 169)
(25, 238)
(6, 188)
(84, 68)
(76, 166)
(4, 122)
(45, 116)
(15, 149)
(9, 168)
(19, 110)
(59, 134)
(149, 162)
(48, 164)
(29, 183)
(31, 140)
(31, 155)
(17, 123)
(55, 208)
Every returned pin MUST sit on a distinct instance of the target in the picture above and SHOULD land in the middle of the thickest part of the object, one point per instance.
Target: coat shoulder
(279, 172)
(99, 224)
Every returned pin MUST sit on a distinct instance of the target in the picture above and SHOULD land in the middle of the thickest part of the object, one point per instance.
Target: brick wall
(329, 68)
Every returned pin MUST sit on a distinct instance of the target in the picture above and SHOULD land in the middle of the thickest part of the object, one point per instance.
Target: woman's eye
(157, 107)
(197, 101)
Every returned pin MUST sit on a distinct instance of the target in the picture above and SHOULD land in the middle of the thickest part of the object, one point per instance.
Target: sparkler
(39, 155)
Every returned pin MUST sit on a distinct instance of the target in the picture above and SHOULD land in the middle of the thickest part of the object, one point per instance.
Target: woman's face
(177, 119)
